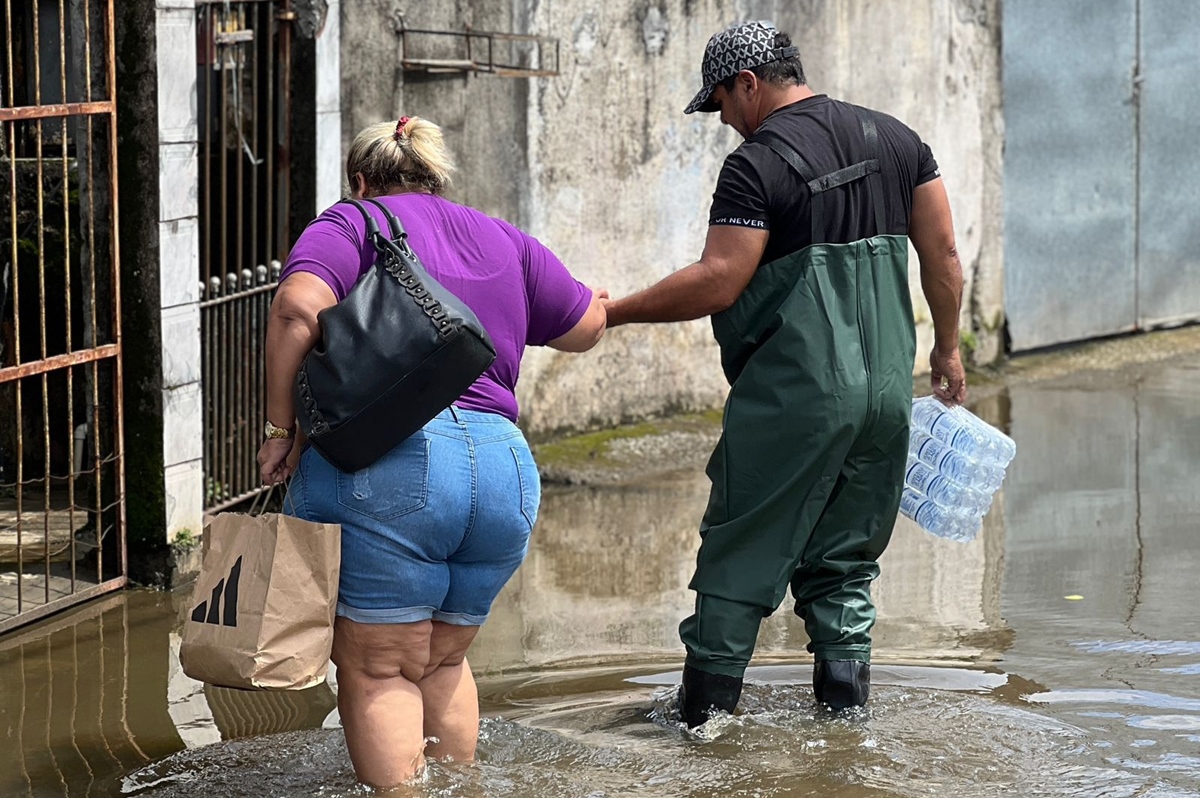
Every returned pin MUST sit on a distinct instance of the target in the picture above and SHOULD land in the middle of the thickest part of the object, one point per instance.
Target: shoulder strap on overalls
(819, 185)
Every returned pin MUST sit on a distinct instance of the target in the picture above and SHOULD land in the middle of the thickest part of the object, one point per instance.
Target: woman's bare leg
(448, 694)
(378, 667)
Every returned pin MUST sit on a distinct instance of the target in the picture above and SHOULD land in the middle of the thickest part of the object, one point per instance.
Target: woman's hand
(274, 461)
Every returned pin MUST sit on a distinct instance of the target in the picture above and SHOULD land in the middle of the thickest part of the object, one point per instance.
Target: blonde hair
(391, 155)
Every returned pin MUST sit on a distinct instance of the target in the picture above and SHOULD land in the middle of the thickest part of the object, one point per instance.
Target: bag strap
(372, 225)
(398, 234)
(398, 231)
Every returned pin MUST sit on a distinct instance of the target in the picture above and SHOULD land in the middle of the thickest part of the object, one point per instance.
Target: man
(805, 272)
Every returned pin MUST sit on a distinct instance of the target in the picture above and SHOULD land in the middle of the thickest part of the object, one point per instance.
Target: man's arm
(708, 286)
(931, 229)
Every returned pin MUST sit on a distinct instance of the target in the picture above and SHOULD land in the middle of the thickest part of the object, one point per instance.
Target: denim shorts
(435, 528)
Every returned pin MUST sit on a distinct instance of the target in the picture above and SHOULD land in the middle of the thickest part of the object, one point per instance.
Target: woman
(433, 530)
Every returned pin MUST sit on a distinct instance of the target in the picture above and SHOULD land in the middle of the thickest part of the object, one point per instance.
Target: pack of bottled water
(956, 462)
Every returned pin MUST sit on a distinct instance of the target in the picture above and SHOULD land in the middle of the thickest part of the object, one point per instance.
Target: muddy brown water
(989, 681)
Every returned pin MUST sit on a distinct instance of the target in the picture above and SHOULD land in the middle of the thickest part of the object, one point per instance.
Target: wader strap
(875, 179)
(795, 160)
(818, 186)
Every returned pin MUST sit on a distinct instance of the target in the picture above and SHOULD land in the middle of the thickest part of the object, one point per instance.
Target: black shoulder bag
(393, 354)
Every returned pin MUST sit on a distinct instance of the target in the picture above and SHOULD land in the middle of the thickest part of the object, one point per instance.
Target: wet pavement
(1056, 655)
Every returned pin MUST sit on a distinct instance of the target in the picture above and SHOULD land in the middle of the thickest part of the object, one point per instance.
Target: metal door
(245, 97)
(1069, 169)
(1168, 265)
(62, 512)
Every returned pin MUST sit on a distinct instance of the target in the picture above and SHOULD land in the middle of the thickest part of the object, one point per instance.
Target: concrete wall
(179, 252)
(601, 164)
(159, 239)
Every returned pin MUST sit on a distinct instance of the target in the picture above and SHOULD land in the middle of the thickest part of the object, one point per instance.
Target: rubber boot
(704, 693)
(842, 683)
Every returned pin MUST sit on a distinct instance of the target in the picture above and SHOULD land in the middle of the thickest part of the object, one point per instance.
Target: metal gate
(244, 86)
(62, 535)
(1102, 192)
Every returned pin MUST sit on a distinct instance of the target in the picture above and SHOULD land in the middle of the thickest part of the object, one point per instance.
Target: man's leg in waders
(832, 585)
(750, 551)
(720, 640)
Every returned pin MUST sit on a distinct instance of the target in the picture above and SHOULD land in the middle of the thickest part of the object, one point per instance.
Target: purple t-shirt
(520, 291)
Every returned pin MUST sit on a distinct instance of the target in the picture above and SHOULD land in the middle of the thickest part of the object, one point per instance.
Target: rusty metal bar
(70, 421)
(87, 54)
(93, 322)
(55, 362)
(41, 237)
(37, 55)
(30, 112)
(62, 603)
(57, 349)
(8, 50)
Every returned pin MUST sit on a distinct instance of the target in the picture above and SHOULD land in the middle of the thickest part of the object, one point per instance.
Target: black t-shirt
(758, 189)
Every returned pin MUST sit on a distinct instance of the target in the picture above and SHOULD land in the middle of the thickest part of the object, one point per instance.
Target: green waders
(807, 475)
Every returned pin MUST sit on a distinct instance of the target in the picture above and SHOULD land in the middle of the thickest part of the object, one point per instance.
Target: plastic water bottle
(953, 465)
(934, 518)
(955, 430)
(925, 479)
(1006, 447)
(956, 462)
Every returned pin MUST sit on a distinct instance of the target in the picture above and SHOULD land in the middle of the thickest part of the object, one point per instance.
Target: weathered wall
(935, 65)
(601, 164)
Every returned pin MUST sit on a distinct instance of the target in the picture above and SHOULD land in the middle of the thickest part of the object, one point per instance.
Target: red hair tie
(400, 126)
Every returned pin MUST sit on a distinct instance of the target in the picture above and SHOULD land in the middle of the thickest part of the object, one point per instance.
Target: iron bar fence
(233, 321)
(244, 86)
(62, 530)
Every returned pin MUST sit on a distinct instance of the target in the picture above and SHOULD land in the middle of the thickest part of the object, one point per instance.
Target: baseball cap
(743, 46)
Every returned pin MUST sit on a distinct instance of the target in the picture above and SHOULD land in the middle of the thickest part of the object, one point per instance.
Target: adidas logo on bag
(226, 593)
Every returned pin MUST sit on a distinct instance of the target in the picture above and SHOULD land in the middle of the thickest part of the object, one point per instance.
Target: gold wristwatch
(272, 431)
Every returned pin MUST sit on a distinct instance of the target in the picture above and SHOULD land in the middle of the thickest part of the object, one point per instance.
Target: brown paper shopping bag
(262, 612)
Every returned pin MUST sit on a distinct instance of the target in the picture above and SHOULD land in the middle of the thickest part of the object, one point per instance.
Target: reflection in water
(97, 693)
(988, 682)
(1101, 503)
(607, 574)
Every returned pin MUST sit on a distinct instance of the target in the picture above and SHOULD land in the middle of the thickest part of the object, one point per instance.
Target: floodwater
(1057, 655)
